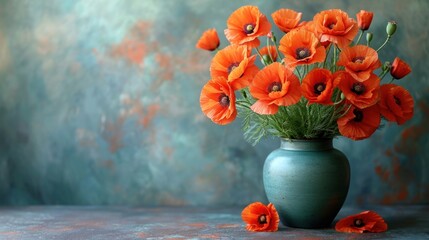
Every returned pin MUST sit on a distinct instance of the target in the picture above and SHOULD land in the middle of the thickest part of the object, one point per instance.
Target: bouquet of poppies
(320, 80)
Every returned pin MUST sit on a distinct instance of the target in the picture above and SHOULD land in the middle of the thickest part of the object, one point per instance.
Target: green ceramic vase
(307, 181)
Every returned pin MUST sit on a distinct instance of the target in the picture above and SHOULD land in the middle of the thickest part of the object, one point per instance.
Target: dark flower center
(358, 223)
(275, 87)
(358, 116)
(262, 219)
(358, 59)
(319, 88)
(397, 100)
(248, 28)
(232, 67)
(224, 100)
(358, 88)
(302, 53)
(331, 25)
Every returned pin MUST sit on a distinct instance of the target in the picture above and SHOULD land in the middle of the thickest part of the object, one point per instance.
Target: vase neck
(306, 145)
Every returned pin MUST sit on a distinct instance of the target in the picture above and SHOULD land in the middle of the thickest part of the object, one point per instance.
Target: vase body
(307, 181)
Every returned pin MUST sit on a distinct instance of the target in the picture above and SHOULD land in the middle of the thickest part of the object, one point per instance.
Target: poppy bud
(369, 37)
(391, 28)
(399, 68)
(364, 19)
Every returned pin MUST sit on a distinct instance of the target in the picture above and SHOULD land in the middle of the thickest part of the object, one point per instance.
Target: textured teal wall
(99, 105)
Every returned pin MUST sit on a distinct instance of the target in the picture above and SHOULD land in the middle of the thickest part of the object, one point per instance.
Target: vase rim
(316, 144)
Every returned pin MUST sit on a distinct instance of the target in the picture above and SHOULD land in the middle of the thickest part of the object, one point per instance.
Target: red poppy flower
(361, 94)
(209, 40)
(396, 103)
(360, 61)
(260, 218)
(217, 101)
(301, 47)
(235, 64)
(286, 19)
(335, 26)
(364, 19)
(269, 54)
(358, 123)
(399, 68)
(274, 86)
(245, 25)
(367, 221)
(317, 86)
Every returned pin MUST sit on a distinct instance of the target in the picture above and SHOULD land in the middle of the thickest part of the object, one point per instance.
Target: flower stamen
(319, 88)
(358, 223)
(248, 28)
(358, 116)
(302, 53)
(224, 100)
(275, 87)
(262, 219)
(232, 67)
(358, 88)
(358, 59)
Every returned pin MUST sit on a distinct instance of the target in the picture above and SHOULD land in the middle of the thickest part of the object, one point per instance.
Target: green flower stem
(327, 53)
(334, 59)
(385, 42)
(262, 59)
(268, 47)
(360, 36)
(277, 48)
(381, 76)
(393, 79)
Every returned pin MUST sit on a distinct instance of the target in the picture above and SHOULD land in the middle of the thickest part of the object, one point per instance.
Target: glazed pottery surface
(307, 181)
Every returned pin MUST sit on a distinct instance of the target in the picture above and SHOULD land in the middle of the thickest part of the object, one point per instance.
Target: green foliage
(298, 121)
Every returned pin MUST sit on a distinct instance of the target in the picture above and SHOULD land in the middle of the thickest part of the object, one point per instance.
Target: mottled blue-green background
(99, 104)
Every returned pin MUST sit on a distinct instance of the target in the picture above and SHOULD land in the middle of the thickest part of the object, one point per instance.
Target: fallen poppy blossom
(367, 221)
(260, 218)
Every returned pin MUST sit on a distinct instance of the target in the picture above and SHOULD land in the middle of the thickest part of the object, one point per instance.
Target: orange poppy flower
(367, 221)
(360, 61)
(358, 123)
(235, 64)
(209, 40)
(217, 101)
(269, 54)
(317, 86)
(274, 86)
(245, 25)
(399, 68)
(335, 26)
(260, 218)
(286, 19)
(361, 94)
(396, 103)
(364, 19)
(301, 47)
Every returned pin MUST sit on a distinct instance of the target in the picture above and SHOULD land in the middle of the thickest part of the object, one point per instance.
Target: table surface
(96, 222)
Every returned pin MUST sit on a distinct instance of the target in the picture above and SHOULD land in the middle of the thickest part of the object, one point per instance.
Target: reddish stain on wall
(113, 133)
(400, 173)
(136, 44)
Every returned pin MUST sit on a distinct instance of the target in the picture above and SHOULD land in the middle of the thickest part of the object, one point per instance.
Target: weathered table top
(73, 222)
